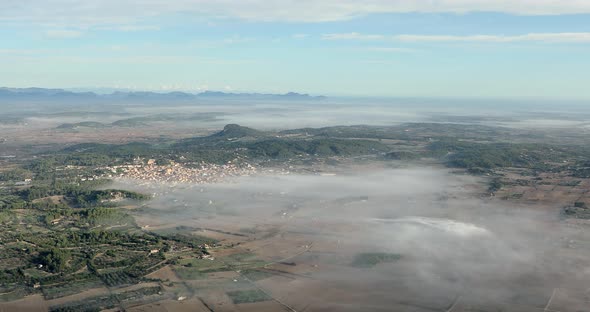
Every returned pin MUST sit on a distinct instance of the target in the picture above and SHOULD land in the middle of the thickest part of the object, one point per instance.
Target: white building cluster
(178, 173)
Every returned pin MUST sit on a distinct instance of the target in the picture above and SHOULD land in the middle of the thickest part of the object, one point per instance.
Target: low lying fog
(267, 114)
(452, 240)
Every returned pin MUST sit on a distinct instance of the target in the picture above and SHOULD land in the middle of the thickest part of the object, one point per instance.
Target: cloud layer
(92, 13)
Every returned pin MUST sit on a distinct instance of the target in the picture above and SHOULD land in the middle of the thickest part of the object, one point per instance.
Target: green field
(248, 296)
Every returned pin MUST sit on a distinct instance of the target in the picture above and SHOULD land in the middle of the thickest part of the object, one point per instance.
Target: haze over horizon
(481, 49)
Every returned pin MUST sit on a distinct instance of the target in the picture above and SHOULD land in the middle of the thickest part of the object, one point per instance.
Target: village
(174, 172)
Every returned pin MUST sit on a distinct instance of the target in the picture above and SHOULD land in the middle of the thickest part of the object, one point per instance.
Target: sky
(397, 48)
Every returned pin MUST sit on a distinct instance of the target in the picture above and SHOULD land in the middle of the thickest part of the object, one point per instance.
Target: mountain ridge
(48, 93)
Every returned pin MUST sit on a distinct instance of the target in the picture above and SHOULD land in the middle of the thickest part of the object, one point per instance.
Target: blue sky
(438, 48)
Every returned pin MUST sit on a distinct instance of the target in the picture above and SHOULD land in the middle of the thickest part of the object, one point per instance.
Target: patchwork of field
(543, 189)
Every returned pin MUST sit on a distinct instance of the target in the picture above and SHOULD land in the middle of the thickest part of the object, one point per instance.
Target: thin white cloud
(391, 49)
(533, 37)
(237, 39)
(378, 62)
(352, 36)
(133, 28)
(126, 12)
(569, 37)
(63, 33)
(21, 52)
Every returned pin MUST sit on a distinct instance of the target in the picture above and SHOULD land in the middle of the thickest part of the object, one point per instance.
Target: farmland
(82, 233)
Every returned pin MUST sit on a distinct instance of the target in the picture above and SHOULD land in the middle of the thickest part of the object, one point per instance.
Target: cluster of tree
(55, 259)
(359, 131)
(192, 241)
(12, 202)
(495, 185)
(98, 237)
(277, 148)
(101, 215)
(79, 195)
(85, 124)
(581, 169)
(92, 198)
(402, 155)
(412, 131)
(47, 204)
(41, 189)
(17, 174)
(262, 144)
(477, 156)
(56, 213)
(91, 155)
(44, 167)
(220, 151)
(11, 276)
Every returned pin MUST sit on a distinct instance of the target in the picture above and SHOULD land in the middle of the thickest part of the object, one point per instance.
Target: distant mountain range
(61, 94)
